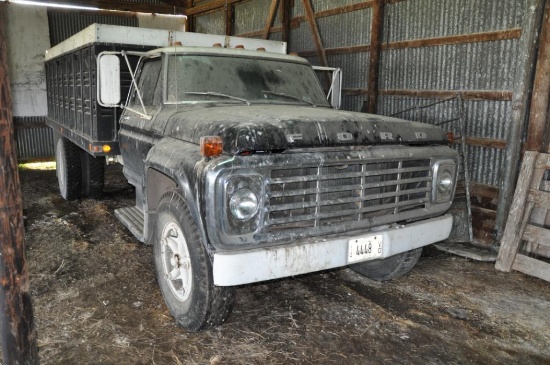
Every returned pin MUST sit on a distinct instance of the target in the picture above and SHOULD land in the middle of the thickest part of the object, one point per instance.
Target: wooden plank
(497, 35)
(541, 89)
(533, 267)
(229, 18)
(541, 199)
(484, 196)
(504, 95)
(213, 5)
(270, 18)
(18, 334)
(512, 232)
(336, 11)
(315, 33)
(537, 235)
(374, 54)
(485, 142)
(429, 42)
(285, 21)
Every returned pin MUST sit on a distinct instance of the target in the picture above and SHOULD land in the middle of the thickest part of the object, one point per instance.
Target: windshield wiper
(212, 93)
(288, 96)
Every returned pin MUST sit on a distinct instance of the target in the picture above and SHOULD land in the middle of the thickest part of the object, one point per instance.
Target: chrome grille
(331, 195)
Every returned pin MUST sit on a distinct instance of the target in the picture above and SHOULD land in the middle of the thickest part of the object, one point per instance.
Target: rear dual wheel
(79, 174)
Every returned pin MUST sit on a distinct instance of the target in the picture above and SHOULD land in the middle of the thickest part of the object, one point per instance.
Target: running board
(133, 219)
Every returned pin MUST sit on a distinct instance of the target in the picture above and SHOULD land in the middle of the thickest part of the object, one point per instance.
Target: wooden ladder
(526, 221)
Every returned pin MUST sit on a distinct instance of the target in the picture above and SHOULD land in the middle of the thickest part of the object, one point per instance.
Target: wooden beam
(374, 54)
(485, 142)
(270, 18)
(531, 266)
(229, 18)
(18, 335)
(315, 33)
(504, 95)
(213, 5)
(428, 42)
(497, 35)
(285, 22)
(541, 90)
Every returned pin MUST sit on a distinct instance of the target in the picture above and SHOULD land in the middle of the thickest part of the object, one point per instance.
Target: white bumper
(315, 254)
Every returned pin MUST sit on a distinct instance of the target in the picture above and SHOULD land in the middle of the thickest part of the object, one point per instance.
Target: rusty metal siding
(211, 23)
(33, 143)
(471, 66)
(63, 25)
(420, 19)
(357, 28)
(251, 16)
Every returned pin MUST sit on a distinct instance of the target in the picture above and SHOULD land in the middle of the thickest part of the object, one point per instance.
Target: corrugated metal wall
(33, 142)
(487, 65)
(430, 50)
(471, 66)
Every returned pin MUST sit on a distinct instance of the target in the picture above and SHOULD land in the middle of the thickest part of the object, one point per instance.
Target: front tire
(184, 270)
(390, 267)
(68, 169)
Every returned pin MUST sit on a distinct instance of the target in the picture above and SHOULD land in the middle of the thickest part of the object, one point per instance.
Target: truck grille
(331, 195)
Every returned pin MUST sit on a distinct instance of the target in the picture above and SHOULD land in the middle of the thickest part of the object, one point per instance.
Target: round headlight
(444, 185)
(243, 204)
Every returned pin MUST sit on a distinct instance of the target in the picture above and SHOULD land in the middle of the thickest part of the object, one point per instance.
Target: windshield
(199, 78)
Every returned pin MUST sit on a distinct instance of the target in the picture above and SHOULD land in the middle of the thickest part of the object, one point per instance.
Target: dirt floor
(96, 301)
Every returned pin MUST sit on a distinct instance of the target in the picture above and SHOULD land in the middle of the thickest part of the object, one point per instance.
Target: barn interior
(479, 69)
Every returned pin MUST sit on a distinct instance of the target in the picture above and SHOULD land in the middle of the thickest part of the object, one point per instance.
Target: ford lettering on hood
(269, 128)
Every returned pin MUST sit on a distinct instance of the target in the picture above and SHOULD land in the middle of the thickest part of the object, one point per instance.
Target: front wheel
(390, 267)
(184, 270)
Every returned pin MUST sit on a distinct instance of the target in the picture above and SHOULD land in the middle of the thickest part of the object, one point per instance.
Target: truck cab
(245, 173)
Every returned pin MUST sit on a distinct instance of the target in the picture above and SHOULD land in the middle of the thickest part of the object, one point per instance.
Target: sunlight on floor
(49, 165)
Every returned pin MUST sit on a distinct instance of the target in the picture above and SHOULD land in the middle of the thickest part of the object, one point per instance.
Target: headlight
(243, 204)
(444, 181)
(444, 187)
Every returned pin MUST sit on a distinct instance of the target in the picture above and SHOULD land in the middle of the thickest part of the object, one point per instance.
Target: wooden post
(285, 22)
(229, 13)
(541, 89)
(523, 82)
(315, 32)
(18, 333)
(270, 18)
(374, 54)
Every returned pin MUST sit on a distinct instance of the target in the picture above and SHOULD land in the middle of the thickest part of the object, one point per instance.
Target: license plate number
(360, 249)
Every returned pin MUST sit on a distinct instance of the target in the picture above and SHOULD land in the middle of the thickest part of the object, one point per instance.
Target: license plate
(364, 248)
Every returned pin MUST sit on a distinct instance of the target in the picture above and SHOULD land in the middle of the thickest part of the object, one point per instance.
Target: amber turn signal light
(106, 148)
(211, 146)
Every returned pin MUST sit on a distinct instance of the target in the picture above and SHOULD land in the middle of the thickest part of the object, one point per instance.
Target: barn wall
(430, 51)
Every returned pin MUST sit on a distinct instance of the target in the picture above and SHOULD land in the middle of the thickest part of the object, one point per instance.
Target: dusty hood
(276, 128)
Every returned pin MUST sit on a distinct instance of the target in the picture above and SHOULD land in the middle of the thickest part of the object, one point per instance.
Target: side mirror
(334, 95)
(108, 85)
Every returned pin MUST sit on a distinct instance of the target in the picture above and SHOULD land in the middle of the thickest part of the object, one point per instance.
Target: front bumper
(316, 254)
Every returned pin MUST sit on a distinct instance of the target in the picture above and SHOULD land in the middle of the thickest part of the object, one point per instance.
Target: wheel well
(158, 184)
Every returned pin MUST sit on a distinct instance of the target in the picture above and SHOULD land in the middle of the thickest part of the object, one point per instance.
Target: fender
(170, 165)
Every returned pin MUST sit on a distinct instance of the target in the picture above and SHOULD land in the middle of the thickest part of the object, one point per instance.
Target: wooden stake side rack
(527, 221)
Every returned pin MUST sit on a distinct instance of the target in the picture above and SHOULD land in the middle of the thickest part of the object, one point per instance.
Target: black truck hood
(281, 127)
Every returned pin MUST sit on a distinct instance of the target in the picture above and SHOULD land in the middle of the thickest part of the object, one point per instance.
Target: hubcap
(176, 263)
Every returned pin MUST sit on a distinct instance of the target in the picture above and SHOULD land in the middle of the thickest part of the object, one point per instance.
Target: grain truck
(243, 171)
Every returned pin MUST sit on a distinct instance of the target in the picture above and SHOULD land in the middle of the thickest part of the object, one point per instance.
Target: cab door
(138, 134)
